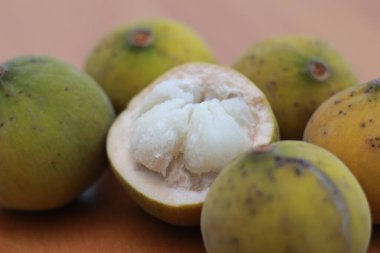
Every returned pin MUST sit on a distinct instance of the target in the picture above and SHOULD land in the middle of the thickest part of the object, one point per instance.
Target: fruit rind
(180, 211)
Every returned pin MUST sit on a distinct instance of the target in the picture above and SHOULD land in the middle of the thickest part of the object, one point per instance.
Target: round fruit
(296, 74)
(131, 57)
(290, 196)
(53, 124)
(348, 125)
(178, 133)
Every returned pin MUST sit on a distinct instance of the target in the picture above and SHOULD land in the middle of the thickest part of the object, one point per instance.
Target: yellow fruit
(348, 125)
(176, 135)
(297, 74)
(53, 125)
(290, 196)
(130, 57)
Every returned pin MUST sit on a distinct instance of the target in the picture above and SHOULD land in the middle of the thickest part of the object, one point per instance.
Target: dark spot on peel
(324, 132)
(373, 142)
(352, 93)
(66, 89)
(337, 102)
(1, 124)
(271, 87)
(297, 171)
(52, 163)
(362, 125)
(234, 241)
(255, 199)
(296, 104)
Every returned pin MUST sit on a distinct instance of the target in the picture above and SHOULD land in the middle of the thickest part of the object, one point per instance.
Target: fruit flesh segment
(188, 136)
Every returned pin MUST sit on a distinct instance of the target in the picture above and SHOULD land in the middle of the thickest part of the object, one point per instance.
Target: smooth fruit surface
(348, 125)
(297, 74)
(131, 57)
(175, 136)
(290, 196)
(53, 124)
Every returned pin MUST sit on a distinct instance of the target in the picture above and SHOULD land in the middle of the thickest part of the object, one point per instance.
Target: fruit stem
(318, 70)
(141, 37)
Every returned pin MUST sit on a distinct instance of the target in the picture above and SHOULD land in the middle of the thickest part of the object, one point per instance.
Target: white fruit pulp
(177, 134)
(187, 136)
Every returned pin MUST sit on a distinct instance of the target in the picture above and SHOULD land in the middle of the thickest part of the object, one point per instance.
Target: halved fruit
(176, 135)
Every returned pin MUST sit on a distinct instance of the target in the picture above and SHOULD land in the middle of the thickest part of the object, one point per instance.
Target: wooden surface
(105, 219)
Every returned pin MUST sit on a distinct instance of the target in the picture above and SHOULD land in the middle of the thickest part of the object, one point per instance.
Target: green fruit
(53, 124)
(348, 125)
(129, 58)
(296, 74)
(290, 196)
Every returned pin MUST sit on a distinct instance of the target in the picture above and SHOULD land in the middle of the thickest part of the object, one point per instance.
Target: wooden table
(103, 220)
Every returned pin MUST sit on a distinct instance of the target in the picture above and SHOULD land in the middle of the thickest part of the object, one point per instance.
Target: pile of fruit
(277, 153)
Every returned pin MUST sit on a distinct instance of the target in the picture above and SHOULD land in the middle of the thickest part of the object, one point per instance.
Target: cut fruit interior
(178, 133)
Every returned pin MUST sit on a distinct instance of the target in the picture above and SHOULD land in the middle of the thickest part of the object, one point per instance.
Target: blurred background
(70, 29)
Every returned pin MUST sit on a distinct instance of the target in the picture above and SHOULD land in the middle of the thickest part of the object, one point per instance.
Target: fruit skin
(124, 69)
(280, 68)
(290, 196)
(53, 124)
(182, 215)
(348, 125)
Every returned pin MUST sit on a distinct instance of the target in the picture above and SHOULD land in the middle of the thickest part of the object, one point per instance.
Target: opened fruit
(179, 132)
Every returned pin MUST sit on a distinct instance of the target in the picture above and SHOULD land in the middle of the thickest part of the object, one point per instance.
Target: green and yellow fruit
(178, 133)
(53, 124)
(296, 74)
(131, 57)
(348, 125)
(290, 196)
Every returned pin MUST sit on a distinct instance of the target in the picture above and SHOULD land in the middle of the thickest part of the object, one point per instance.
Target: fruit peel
(299, 194)
(52, 145)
